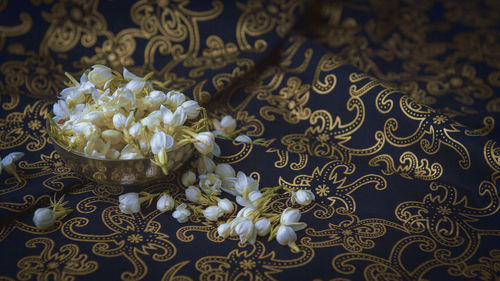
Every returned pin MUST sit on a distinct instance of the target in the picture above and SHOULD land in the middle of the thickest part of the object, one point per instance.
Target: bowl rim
(55, 142)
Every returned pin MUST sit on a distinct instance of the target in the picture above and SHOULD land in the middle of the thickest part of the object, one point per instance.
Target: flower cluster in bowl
(108, 115)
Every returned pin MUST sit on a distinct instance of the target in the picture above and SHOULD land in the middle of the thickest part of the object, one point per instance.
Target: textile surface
(386, 110)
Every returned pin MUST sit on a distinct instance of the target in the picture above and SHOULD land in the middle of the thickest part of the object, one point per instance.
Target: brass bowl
(121, 172)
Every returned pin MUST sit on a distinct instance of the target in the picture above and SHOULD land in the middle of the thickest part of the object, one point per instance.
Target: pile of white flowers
(113, 116)
(204, 184)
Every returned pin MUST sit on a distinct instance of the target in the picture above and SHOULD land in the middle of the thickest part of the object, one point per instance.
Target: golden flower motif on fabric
(72, 21)
(38, 75)
(251, 263)
(331, 181)
(462, 82)
(437, 134)
(353, 234)
(131, 236)
(314, 141)
(16, 132)
(65, 264)
(290, 101)
(447, 218)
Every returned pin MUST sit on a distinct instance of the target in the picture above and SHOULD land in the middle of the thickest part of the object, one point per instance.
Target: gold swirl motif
(327, 182)
(7, 229)
(171, 273)
(65, 264)
(131, 236)
(17, 132)
(290, 102)
(52, 166)
(327, 84)
(393, 267)
(492, 156)
(261, 17)
(99, 190)
(251, 262)
(290, 56)
(72, 22)
(461, 82)
(410, 167)
(321, 140)
(284, 157)
(353, 234)
(447, 219)
(437, 126)
(116, 51)
(171, 30)
(38, 74)
(217, 55)
(16, 30)
(488, 267)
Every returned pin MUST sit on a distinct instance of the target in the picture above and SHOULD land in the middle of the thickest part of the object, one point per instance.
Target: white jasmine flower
(129, 203)
(99, 75)
(127, 75)
(96, 117)
(160, 143)
(212, 213)
(86, 129)
(174, 119)
(205, 165)
(263, 226)
(119, 121)
(165, 203)
(152, 121)
(246, 212)
(210, 183)
(193, 193)
(112, 136)
(44, 218)
(243, 138)
(286, 235)
(156, 98)
(253, 196)
(216, 150)
(226, 206)
(246, 230)
(181, 213)
(191, 108)
(224, 230)
(61, 112)
(175, 98)
(135, 130)
(302, 197)
(225, 171)
(125, 98)
(136, 85)
(76, 94)
(227, 124)
(244, 185)
(130, 152)
(188, 178)
(96, 147)
(8, 163)
(205, 142)
(290, 217)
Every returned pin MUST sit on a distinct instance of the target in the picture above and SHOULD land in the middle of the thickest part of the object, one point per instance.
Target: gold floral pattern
(64, 264)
